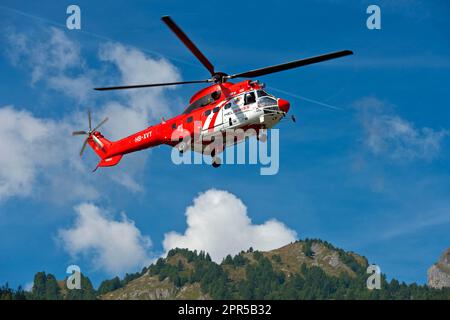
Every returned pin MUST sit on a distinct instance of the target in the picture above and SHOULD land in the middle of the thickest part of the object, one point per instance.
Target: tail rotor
(89, 133)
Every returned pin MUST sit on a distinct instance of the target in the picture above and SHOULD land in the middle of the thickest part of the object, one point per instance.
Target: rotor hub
(219, 77)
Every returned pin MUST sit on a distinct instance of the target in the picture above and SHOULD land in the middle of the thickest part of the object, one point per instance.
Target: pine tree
(52, 291)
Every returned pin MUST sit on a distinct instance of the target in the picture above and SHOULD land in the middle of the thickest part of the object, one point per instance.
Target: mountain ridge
(304, 269)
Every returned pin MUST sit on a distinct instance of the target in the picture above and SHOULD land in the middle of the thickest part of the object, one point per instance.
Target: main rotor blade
(90, 119)
(78, 133)
(100, 124)
(290, 65)
(188, 43)
(150, 85)
(84, 146)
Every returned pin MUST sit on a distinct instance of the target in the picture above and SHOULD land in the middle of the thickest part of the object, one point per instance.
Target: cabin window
(228, 105)
(189, 119)
(216, 109)
(207, 112)
(249, 98)
(216, 94)
(203, 101)
(174, 125)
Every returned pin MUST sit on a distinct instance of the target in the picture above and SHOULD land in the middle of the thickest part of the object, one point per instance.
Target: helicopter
(215, 109)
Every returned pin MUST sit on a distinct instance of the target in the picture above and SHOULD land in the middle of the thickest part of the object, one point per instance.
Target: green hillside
(308, 269)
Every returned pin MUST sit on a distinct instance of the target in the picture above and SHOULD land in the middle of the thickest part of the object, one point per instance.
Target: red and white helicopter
(217, 108)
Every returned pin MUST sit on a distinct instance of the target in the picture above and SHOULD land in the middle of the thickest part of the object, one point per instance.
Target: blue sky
(371, 177)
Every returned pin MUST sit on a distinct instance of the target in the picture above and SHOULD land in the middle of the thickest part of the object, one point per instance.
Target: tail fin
(102, 147)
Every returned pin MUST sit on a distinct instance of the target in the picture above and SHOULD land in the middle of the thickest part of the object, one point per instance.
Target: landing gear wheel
(262, 137)
(216, 162)
(182, 146)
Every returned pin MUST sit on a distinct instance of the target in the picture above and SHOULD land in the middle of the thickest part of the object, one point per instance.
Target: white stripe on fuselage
(207, 121)
(218, 120)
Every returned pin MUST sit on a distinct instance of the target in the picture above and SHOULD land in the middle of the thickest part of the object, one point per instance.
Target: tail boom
(111, 153)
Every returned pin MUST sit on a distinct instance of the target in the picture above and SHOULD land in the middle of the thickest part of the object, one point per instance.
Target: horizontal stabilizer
(109, 162)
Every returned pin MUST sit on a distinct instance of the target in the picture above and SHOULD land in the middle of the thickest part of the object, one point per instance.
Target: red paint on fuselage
(162, 133)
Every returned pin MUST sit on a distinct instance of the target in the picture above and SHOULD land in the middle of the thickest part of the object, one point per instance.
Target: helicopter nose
(284, 105)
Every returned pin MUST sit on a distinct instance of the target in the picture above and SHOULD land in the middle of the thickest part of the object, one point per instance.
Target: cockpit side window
(249, 98)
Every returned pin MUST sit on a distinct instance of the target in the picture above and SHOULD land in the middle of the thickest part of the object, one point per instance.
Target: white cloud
(139, 105)
(17, 163)
(114, 246)
(79, 87)
(51, 57)
(54, 59)
(123, 120)
(37, 150)
(399, 139)
(137, 68)
(23, 140)
(218, 223)
(41, 158)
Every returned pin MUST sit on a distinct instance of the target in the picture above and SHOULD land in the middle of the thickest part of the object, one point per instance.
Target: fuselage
(212, 111)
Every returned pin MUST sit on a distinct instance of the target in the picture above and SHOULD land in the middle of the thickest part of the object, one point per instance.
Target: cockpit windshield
(262, 93)
(266, 102)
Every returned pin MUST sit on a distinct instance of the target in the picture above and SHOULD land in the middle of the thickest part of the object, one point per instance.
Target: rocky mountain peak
(439, 273)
